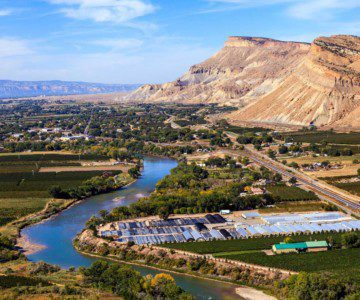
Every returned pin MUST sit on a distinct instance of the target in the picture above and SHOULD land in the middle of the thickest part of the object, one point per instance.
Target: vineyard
(334, 260)
(21, 183)
(258, 243)
(352, 138)
(352, 186)
(14, 208)
(291, 193)
(24, 190)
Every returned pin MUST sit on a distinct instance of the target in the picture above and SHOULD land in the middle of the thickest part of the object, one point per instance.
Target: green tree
(350, 240)
(293, 180)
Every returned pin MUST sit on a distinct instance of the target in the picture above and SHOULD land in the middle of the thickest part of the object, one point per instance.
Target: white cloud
(5, 12)
(115, 11)
(13, 47)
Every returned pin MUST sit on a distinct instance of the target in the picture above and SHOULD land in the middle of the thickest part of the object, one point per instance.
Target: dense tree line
(8, 250)
(313, 286)
(186, 190)
(94, 186)
(128, 283)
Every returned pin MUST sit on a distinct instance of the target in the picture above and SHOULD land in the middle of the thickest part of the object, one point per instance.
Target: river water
(57, 233)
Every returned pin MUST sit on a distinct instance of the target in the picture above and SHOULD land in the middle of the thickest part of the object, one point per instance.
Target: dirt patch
(268, 252)
(345, 171)
(252, 294)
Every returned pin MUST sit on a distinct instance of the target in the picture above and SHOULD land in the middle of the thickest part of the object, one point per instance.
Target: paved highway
(338, 198)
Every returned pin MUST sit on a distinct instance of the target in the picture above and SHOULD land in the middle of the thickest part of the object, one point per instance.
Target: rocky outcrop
(274, 82)
(244, 69)
(323, 89)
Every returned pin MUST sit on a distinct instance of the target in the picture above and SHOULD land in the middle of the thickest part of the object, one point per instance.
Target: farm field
(15, 208)
(259, 243)
(352, 138)
(336, 261)
(25, 162)
(291, 193)
(333, 159)
(25, 190)
(251, 251)
(346, 183)
(346, 170)
(296, 206)
(84, 168)
(22, 184)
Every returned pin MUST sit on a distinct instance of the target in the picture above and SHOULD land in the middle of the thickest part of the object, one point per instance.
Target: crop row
(50, 157)
(330, 137)
(256, 243)
(11, 209)
(291, 193)
(345, 260)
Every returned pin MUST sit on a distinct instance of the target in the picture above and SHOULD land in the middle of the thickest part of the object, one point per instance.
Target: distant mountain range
(274, 82)
(19, 89)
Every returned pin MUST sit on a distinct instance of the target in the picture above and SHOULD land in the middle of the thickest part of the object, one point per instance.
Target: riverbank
(243, 292)
(51, 210)
(249, 293)
(200, 266)
(23, 242)
(134, 263)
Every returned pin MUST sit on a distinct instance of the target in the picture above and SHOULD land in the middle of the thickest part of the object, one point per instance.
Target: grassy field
(352, 138)
(291, 193)
(259, 243)
(335, 261)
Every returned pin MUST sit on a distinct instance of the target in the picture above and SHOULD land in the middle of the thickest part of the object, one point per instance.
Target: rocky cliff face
(244, 69)
(324, 88)
(274, 82)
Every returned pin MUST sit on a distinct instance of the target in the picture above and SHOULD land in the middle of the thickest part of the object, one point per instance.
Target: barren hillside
(274, 82)
(245, 69)
(324, 88)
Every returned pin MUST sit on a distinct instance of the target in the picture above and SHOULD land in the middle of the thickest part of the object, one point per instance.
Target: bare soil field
(336, 159)
(123, 168)
(347, 170)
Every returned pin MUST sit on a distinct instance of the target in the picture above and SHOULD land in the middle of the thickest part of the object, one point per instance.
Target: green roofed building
(312, 246)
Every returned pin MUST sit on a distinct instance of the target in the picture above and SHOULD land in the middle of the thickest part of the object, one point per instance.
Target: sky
(149, 41)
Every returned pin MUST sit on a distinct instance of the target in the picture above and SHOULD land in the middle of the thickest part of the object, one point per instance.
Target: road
(330, 195)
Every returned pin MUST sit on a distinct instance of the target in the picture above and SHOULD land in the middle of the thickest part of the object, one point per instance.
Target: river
(56, 234)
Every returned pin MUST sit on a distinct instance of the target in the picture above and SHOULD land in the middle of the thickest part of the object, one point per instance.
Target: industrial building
(216, 227)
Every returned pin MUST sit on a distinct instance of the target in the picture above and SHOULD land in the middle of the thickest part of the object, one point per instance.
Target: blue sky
(148, 41)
